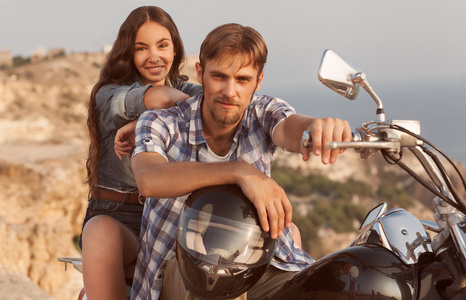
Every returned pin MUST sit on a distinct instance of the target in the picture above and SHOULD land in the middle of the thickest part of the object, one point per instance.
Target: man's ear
(259, 81)
(199, 72)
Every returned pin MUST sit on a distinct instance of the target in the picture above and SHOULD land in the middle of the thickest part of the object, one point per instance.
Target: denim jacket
(117, 106)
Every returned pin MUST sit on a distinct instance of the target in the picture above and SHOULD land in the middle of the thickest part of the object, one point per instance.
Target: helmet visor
(221, 241)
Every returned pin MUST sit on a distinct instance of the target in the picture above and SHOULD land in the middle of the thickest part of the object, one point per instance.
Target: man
(225, 135)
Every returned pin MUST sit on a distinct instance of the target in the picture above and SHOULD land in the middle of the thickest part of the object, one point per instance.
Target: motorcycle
(77, 263)
(394, 256)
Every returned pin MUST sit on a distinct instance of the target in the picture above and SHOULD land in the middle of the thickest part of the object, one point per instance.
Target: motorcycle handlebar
(357, 142)
(354, 144)
(383, 138)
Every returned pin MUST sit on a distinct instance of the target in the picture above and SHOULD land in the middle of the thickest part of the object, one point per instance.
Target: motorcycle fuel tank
(359, 272)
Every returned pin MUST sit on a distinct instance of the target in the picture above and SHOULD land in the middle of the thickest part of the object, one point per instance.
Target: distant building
(107, 48)
(56, 52)
(6, 60)
(38, 54)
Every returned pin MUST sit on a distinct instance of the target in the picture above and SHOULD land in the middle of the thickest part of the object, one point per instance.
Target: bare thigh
(107, 239)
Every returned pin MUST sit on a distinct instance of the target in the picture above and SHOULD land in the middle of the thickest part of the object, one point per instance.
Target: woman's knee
(102, 231)
(104, 234)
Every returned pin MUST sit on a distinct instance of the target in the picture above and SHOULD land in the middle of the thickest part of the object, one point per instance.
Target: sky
(413, 52)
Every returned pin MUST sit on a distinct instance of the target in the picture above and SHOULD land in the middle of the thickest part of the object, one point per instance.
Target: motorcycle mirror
(337, 74)
(374, 214)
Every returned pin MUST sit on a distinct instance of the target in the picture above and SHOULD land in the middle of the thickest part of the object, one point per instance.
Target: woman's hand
(125, 140)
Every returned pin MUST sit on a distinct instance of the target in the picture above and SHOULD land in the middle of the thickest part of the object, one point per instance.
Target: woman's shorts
(128, 214)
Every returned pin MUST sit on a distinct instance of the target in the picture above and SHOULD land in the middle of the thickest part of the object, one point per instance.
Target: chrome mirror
(374, 214)
(337, 74)
(341, 77)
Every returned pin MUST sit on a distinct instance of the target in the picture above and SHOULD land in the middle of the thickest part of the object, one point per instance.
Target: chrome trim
(458, 232)
(400, 232)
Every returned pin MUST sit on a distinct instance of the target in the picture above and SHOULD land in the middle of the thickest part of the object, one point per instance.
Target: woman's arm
(125, 140)
(155, 97)
(162, 97)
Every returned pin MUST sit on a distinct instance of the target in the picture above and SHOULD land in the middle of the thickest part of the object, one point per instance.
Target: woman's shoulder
(111, 87)
(180, 113)
(187, 87)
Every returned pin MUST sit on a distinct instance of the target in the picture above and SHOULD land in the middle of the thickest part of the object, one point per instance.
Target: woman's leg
(109, 251)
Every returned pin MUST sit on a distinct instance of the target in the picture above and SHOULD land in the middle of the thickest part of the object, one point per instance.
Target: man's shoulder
(261, 99)
(268, 102)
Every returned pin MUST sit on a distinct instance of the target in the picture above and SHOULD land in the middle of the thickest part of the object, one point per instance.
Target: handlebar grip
(308, 144)
(376, 145)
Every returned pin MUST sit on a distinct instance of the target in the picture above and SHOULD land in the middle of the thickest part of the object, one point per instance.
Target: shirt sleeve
(151, 133)
(127, 102)
(275, 112)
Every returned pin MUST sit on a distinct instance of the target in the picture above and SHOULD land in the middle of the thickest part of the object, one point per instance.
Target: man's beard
(225, 119)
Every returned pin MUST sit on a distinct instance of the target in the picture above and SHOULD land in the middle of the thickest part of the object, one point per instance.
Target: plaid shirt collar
(196, 133)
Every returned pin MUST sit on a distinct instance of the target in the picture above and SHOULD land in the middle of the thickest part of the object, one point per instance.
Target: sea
(440, 108)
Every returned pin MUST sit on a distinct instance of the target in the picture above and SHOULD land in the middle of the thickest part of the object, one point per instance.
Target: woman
(142, 72)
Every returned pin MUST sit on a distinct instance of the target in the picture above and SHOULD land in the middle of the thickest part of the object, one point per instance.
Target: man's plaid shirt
(176, 133)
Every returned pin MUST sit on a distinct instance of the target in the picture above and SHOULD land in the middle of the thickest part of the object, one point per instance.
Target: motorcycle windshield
(223, 242)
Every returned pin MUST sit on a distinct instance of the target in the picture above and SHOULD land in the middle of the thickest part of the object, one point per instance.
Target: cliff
(42, 154)
(43, 147)
(43, 142)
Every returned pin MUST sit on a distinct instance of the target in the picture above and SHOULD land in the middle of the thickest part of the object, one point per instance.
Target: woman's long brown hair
(119, 69)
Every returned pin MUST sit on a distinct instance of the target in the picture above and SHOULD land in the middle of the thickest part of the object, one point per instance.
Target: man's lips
(227, 103)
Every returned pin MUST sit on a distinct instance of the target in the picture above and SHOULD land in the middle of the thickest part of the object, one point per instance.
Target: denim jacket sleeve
(126, 103)
(119, 105)
(188, 88)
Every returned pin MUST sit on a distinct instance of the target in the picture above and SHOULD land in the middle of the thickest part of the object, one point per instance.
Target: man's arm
(158, 178)
(288, 133)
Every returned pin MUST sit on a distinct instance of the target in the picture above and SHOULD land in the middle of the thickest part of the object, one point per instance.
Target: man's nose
(229, 89)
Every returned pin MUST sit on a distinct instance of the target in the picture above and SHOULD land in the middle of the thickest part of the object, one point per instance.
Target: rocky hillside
(42, 153)
(43, 143)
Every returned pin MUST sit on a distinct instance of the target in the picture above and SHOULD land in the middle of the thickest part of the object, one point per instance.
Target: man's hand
(158, 178)
(125, 140)
(272, 204)
(322, 132)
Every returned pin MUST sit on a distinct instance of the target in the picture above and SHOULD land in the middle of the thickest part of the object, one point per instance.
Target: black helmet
(221, 248)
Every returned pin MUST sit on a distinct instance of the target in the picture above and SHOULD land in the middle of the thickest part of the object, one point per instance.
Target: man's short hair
(234, 39)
